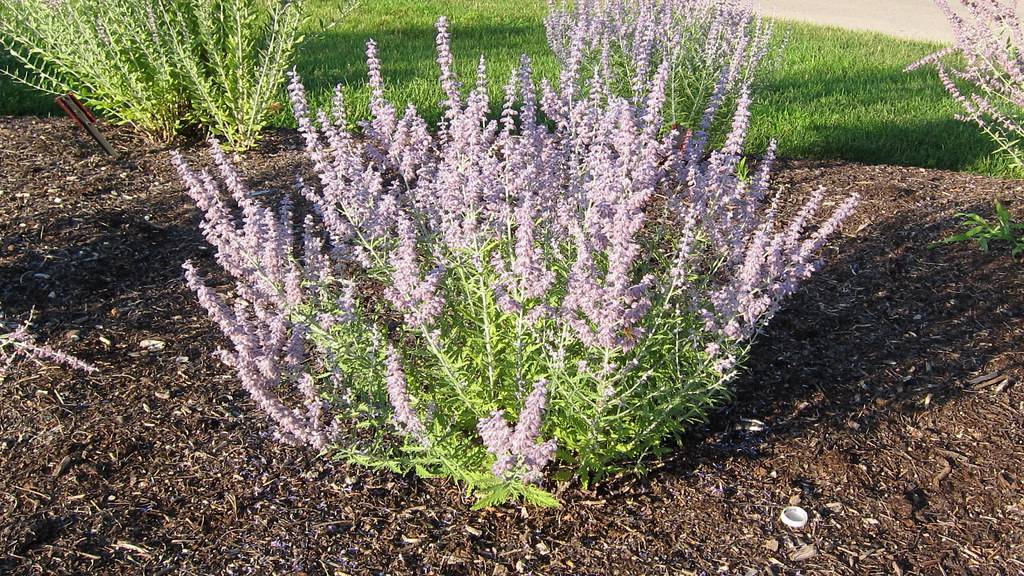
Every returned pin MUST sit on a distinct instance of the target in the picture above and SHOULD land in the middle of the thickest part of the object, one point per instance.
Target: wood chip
(133, 548)
(64, 466)
(942, 474)
(804, 552)
(152, 345)
(983, 378)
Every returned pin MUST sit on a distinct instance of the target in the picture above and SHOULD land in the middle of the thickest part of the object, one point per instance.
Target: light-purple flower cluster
(19, 344)
(708, 45)
(405, 415)
(517, 452)
(411, 293)
(990, 46)
(257, 248)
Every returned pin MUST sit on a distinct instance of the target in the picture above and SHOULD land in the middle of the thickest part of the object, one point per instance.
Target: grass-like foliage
(161, 65)
(712, 47)
(1004, 229)
(552, 293)
(984, 70)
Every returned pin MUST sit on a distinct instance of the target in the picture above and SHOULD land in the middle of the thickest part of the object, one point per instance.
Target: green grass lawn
(842, 94)
(334, 51)
(832, 94)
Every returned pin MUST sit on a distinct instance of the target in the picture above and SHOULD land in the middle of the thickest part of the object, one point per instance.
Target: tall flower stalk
(984, 70)
(566, 285)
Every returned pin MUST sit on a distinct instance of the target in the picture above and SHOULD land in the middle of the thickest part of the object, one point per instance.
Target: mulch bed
(886, 399)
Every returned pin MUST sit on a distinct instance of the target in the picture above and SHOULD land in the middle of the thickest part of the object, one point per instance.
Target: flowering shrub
(713, 48)
(161, 65)
(565, 286)
(984, 70)
(19, 344)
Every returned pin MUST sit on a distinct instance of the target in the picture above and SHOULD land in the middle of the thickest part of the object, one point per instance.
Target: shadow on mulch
(861, 402)
(80, 277)
(887, 321)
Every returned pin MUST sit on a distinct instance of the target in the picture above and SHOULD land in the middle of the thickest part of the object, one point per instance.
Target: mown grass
(832, 94)
(499, 30)
(837, 94)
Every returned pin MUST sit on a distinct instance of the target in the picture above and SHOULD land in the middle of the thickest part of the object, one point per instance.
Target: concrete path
(914, 19)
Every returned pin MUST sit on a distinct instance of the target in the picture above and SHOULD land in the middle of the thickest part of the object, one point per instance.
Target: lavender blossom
(418, 297)
(578, 233)
(18, 343)
(987, 81)
(259, 251)
(661, 41)
(385, 119)
(517, 452)
(446, 61)
(398, 394)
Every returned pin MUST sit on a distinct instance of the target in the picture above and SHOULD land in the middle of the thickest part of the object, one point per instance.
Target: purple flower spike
(19, 344)
(415, 295)
(986, 78)
(398, 394)
(517, 452)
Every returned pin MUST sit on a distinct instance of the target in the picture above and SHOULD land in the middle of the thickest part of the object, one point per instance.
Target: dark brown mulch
(864, 402)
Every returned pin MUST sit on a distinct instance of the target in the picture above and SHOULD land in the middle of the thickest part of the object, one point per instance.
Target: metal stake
(74, 108)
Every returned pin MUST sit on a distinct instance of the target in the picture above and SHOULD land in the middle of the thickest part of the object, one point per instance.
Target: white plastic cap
(794, 517)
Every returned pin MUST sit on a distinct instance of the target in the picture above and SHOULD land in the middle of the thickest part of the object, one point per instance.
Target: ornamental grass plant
(164, 66)
(553, 293)
(984, 70)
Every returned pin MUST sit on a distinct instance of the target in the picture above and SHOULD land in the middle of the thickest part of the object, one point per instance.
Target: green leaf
(562, 475)
(494, 496)
(540, 497)
(1005, 219)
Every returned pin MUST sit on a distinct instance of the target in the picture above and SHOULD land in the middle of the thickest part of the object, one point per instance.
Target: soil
(885, 399)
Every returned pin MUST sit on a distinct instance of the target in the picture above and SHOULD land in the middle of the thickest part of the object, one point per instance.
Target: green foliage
(479, 358)
(1004, 229)
(831, 93)
(161, 65)
(232, 59)
(1010, 147)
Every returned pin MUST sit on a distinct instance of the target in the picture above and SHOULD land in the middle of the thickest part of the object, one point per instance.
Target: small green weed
(1004, 229)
